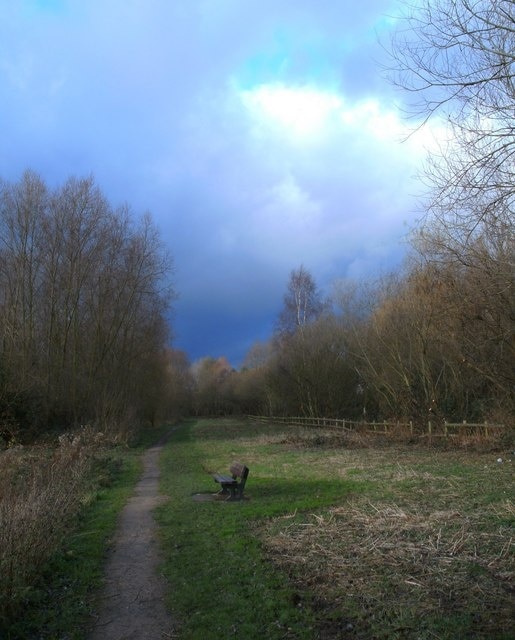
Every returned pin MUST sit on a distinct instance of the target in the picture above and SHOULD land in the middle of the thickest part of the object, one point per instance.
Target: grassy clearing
(58, 506)
(222, 586)
(337, 540)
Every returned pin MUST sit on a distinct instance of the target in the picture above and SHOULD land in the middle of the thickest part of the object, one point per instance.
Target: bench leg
(236, 493)
(232, 491)
(227, 490)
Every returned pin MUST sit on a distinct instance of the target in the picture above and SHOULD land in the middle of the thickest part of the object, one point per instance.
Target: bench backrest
(239, 470)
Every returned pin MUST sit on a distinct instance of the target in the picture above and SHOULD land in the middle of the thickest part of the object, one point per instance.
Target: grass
(221, 584)
(336, 540)
(56, 600)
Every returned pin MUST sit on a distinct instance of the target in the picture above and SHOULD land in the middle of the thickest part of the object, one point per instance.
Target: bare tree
(180, 384)
(302, 302)
(84, 292)
(211, 394)
(22, 208)
(456, 58)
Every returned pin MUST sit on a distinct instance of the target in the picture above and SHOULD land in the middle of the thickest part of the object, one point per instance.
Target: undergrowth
(40, 493)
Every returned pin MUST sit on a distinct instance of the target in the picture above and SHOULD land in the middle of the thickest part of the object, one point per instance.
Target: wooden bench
(234, 484)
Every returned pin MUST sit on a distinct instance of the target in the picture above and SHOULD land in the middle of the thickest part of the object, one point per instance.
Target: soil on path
(132, 604)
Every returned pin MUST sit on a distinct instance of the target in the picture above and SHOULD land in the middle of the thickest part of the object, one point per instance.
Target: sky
(260, 134)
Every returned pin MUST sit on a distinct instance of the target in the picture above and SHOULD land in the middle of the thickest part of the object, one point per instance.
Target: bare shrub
(40, 491)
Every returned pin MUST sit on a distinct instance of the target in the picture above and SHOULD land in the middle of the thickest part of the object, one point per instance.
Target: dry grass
(41, 489)
(434, 542)
(469, 439)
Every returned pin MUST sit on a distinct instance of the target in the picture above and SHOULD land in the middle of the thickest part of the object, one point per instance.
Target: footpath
(132, 603)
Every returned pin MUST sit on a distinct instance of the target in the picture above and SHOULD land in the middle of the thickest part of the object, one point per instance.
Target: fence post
(429, 429)
(411, 427)
(445, 428)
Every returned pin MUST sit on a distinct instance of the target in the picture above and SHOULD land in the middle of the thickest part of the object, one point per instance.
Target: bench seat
(224, 479)
(233, 485)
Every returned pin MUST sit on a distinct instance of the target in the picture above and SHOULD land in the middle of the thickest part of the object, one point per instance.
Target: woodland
(85, 288)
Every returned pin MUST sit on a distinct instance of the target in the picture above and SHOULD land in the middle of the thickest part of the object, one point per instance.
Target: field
(338, 539)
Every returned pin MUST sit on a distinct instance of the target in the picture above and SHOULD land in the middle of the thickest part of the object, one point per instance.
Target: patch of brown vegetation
(371, 567)
(309, 437)
(41, 488)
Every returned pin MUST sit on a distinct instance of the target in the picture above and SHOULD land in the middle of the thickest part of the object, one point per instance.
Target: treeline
(84, 291)
(439, 338)
(433, 343)
(84, 295)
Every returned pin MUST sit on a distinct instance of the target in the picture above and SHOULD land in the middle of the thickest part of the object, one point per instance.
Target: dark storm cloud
(260, 135)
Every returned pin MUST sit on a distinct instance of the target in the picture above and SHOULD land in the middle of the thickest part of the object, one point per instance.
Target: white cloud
(310, 114)
(301, 112)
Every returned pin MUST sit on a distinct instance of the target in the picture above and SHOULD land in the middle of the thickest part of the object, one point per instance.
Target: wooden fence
(429, 430)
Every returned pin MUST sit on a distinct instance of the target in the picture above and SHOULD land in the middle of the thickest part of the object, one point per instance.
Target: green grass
(335, 541)
(58, 606)
(222, 585)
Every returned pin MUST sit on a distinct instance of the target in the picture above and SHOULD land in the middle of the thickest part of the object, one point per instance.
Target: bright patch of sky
(308, 114)
(301, 112)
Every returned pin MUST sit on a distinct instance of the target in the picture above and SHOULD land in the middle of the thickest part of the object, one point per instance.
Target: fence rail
(429, 429)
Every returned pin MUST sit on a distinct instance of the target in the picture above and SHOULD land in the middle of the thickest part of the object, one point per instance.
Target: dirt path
(133, 598)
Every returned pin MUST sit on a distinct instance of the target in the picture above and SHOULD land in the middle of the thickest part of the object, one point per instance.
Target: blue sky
(261, 135)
